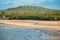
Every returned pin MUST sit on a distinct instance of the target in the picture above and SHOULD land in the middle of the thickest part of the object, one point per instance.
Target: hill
(31, 13)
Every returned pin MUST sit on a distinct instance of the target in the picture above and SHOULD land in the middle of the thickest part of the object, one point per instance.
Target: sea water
(22, 34)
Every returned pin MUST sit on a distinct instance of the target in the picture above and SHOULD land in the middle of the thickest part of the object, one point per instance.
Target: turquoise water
(22, 34)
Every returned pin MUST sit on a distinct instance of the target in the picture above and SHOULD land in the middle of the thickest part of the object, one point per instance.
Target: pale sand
(52, 28)
(33, 24)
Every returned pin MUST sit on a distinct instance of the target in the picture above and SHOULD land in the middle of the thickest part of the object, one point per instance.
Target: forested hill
(30, 12)
(32, 8)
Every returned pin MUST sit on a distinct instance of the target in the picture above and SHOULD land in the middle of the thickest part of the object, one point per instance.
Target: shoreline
(33, 24)
(52, 28)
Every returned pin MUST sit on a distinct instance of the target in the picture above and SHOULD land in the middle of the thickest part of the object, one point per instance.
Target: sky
(51, 4)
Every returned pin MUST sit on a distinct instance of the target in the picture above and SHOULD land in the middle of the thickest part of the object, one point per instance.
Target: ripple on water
(22, 34)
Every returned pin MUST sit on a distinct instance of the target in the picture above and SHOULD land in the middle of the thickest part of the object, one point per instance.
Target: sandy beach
(52, 28)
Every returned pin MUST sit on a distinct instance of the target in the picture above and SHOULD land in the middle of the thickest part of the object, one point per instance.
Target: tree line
(30, 13)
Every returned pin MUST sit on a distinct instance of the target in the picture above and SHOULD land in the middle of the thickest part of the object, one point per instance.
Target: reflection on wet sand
(52, 28)
(22, 34)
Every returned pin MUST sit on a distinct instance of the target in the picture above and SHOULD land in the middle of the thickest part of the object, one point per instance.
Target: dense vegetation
(30, 12)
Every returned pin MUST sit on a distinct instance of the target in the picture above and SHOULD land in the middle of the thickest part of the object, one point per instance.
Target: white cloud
(4, 1)
(15, 3)
(22, 2)
(41, 1)
(27, 2)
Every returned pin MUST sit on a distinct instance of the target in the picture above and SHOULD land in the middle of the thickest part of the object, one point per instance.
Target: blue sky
(52, 4)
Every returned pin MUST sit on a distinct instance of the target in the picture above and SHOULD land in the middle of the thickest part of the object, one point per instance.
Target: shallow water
(22, 34)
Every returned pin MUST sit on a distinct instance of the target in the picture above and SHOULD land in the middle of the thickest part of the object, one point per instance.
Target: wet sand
(52, 28)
